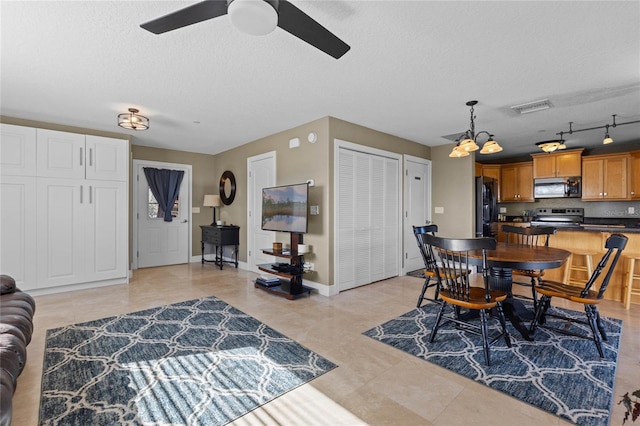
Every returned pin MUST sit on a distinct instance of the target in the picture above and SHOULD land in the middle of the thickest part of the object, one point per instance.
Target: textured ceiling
(411, 68)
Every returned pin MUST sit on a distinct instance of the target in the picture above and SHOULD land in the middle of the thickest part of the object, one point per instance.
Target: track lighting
(607, 139)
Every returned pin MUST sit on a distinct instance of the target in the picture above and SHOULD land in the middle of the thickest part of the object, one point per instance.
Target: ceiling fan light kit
(254, 17)
(468, 141)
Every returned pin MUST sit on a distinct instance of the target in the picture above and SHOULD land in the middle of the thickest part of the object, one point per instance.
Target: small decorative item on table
(277, 247)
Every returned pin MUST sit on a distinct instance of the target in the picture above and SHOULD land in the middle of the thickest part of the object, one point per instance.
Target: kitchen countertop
(621, 225)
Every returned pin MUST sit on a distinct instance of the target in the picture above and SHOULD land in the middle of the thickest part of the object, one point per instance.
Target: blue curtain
(165, 186)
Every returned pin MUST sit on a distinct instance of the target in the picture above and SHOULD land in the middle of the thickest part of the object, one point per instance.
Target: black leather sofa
(16, 326)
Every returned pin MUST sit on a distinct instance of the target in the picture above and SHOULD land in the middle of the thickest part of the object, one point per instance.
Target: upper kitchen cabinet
(634, 175)
(516, 182)
(493, 171)
(557, 164)
(605, 177)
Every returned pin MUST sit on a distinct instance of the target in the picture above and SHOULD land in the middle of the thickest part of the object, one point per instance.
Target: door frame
(135, 212)
(410, 158)
(251, 250)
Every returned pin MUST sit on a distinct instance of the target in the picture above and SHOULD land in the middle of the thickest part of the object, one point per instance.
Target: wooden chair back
(530, 236)
(614, 246)
(453, 263)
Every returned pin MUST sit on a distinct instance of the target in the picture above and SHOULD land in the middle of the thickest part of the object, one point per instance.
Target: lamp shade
(212, 201)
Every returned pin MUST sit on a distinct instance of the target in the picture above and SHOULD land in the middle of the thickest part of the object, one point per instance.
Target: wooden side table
(220, 236)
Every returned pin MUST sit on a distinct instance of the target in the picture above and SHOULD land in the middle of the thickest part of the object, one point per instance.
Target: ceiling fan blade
(301, 25)
(193, 14)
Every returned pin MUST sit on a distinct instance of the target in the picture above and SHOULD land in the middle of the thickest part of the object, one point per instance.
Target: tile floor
(374, 383)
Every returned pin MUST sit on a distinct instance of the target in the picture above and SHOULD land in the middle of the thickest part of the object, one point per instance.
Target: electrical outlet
(314, 210)
(308, 266)
(631, 210)
(503, 209)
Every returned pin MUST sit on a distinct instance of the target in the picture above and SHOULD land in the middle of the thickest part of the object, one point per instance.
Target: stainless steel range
(559, 217)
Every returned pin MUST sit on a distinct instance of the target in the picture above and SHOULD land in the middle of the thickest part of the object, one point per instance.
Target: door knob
(184, 221)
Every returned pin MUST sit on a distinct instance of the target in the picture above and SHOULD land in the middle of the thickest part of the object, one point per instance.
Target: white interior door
(261, 171)
(417, 202)
(158, 242)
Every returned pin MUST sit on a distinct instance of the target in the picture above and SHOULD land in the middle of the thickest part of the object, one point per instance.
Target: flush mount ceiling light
(132, 120)
(254, 17)
(550, 146)
(468, 141)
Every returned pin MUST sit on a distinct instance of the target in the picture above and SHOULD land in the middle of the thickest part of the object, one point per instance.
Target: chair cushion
(13, 353)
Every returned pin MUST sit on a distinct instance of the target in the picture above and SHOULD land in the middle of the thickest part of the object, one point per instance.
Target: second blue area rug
(200, 362)
(557, 373)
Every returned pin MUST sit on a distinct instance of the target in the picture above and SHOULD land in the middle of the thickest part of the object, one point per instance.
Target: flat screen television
(284, 208)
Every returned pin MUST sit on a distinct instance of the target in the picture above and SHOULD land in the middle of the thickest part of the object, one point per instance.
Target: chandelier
(132, 120)
(468, 141)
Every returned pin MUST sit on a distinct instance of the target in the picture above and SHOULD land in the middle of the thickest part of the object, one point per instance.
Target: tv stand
(290, 286)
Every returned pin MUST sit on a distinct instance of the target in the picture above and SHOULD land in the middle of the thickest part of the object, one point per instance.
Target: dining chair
(429, 262)
(589, 296)
(530, 236)
(456, 290)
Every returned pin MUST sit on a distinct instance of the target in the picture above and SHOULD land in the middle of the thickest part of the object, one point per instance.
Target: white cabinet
(17, 150)
(64, 208)
(75, 156)
(82, 231)
(18, 229)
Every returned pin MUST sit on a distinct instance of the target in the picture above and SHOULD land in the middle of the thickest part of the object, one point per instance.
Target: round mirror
(227, 187)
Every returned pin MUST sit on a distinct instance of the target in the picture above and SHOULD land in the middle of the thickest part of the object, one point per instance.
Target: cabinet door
(569, 164)
(61, 231)
(508, 189)
(60, 154)
(18, 229)
(525, 182)
(592, 179)
(634, 175)
(615, 178)
(106, 242)
(17, 150)
(106, 158)
(544, 166)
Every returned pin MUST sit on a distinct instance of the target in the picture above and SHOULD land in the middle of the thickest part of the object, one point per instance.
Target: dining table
(507, 257)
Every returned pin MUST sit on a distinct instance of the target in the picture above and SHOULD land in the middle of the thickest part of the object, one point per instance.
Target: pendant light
(468, 141)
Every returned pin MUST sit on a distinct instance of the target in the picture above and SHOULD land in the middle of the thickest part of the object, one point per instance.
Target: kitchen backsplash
(598, 209)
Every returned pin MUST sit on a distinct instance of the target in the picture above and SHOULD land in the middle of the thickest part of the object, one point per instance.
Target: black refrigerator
(486, 207)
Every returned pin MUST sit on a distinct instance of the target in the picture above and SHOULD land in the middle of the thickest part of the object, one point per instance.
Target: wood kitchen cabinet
(634, 175)
(516, 182)
(493, 171)
(557, 164)
(605, 177)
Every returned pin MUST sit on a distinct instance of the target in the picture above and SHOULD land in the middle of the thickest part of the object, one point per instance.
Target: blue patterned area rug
(200, 362)
(534, 372)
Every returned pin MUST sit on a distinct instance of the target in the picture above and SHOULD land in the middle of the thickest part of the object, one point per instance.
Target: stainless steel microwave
(570, 187)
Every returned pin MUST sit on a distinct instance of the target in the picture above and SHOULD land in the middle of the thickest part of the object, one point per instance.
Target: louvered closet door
(367, 218)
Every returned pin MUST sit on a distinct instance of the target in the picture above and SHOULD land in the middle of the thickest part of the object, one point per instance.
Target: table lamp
(212, 201)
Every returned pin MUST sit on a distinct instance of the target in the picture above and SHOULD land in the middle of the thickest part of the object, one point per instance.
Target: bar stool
(630, 276)
(584, 269)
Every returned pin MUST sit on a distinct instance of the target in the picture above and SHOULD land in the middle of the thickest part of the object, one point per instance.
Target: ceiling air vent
(532, 106)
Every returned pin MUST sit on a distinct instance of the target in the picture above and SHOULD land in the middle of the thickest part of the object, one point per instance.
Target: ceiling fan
(256, 17)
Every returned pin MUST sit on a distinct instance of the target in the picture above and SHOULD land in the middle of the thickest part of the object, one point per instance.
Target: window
(153, 208)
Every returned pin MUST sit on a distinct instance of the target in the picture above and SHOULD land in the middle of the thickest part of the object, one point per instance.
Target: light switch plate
(195, 209)
(438, 210)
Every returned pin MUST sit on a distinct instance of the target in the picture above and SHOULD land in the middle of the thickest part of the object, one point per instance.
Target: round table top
(521, 257)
